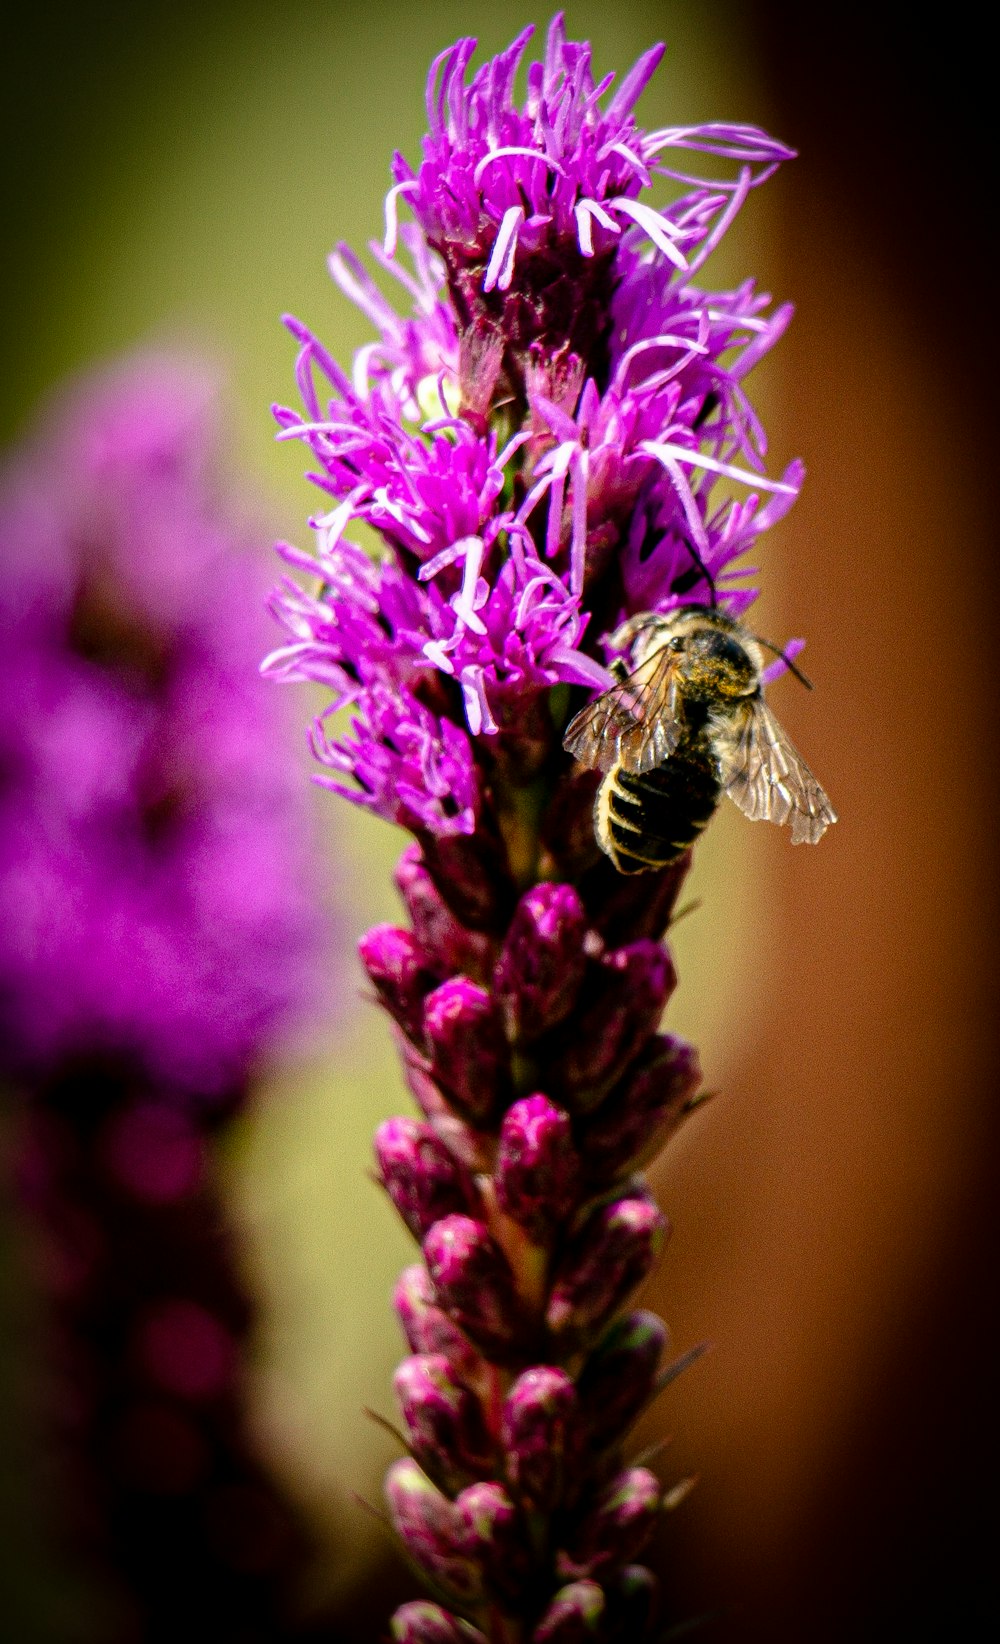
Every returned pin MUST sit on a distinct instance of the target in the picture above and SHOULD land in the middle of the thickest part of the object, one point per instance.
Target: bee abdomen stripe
(646, 821)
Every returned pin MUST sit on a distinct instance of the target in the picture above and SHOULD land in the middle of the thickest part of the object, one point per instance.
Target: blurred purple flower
(159, 941)
(156, 896)
(537, 447)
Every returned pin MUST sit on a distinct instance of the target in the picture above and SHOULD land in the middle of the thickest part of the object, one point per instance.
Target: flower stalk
(537, 446)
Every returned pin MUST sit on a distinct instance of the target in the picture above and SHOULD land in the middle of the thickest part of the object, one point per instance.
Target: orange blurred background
(182, 170)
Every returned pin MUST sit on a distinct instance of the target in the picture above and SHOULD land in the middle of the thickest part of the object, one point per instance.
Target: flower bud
(420, 1174)
(416, 1071)
(444, 1422)
(471, 877)
(539, 1427)
(575, 1616)
(467, 1051)
(424, 1623)
(540, 969)
(616, 1247)
(619, 1377)
(632, 1595)
(620, 1008)
(427, 1327)
(431, 1532)
(448, 946)
(474, 1284)
(567, 831)
(617, 1526)
(643, 1111)
(399, 974)
(629, 906)
(525, 739)
(493, 1536)
(538, 1170)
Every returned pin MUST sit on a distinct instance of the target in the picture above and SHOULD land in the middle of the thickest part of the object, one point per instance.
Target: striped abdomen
(644, 822)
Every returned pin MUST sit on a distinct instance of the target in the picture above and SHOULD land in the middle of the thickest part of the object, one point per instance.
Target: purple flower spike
(426, 1326)
(395, 964)
(474, 1284)
(432, 1532)
(424, 1623)
(537, 440)
(444, 1422)
(575, 1616)
(616, 1248)
(617, 1528)
(542, 964)
(622, 1008)
(422, 1177)
(619, 1377)
(538, 1170)
(467, 1049)
(539, 1429)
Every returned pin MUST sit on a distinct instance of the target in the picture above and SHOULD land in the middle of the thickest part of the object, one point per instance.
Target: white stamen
(658, 228)
(502, 153)
(500, 269)
(391, 213)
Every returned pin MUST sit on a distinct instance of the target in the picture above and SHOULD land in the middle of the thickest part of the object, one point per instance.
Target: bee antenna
(786, 659)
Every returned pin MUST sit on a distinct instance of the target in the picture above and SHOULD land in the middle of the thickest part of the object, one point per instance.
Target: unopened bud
(538, 1171)
(540, 969)
(613, 1251)
(431, 1531)
(448, 945)
(575, 1616)
(467, 1052)
(427, 1327)
(425, 1623)
(633, 1599)
(493, 1536)
(539, 1430)
(420, 1174)
(444, 1422)
(398, 971)
(642, 1112)
(617, 1526)
(619, 1377)
(567, 832)
(417, 1071)
(471, 876)
(620, 1007)
(474, 1284)
(629, 906)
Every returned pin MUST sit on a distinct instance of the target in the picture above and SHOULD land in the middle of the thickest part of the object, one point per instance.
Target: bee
(685, 723)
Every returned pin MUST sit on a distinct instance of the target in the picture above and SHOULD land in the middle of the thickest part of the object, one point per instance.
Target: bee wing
(769, 780)
(634, 724)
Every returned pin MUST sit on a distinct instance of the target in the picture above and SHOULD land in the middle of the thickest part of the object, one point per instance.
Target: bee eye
(676, 644)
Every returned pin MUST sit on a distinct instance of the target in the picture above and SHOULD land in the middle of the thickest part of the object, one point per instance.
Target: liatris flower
(159, 939)
(536, 446)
